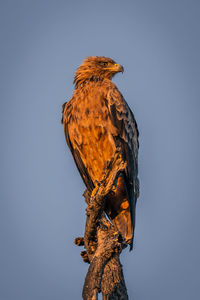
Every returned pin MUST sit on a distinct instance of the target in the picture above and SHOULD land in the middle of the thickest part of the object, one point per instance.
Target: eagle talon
(103, 226)
(96, 183)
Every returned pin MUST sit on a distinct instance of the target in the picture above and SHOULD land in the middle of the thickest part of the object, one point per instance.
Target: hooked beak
(118, 68)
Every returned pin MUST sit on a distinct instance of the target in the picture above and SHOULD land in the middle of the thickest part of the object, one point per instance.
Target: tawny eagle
(97, 120)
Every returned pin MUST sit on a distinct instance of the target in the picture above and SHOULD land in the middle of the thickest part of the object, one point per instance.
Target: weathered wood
(103, 243)
(113, 285)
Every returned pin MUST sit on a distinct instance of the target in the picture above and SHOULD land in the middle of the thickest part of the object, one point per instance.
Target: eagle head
(96, 68)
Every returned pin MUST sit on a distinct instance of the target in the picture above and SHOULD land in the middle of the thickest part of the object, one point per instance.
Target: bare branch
(102, 241)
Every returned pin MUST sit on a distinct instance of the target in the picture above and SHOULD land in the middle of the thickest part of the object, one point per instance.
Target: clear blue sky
(41, 207)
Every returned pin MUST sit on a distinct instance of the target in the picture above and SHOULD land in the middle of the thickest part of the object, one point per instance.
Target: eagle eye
(104, 63)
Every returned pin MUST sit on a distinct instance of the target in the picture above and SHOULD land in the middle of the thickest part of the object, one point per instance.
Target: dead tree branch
(103, 243)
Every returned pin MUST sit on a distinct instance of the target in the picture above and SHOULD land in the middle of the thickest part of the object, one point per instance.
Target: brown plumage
(96, 121)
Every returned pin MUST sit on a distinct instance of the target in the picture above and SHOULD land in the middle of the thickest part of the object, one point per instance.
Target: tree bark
(102, 241)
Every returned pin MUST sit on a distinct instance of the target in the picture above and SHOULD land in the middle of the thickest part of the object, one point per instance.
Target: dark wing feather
(75, 153)
(127, 140)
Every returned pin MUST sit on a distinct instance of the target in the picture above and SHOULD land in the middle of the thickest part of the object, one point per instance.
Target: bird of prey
(97, 121)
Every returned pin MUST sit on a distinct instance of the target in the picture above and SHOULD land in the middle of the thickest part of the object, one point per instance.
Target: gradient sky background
(41, 207)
